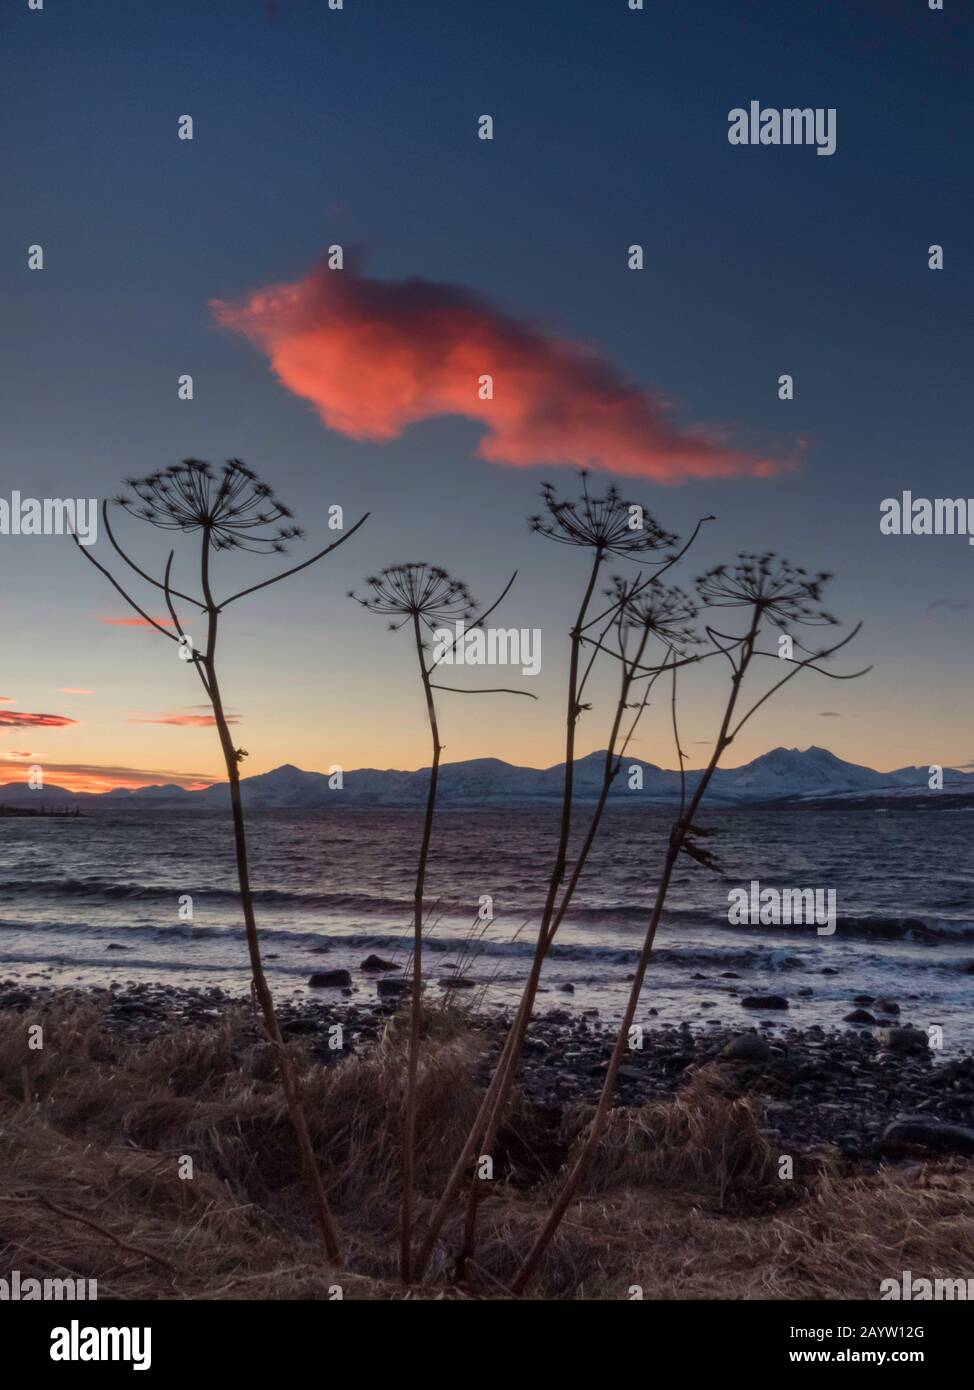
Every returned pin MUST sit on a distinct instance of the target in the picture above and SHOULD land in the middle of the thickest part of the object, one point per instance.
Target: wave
(599, 955)
(614, 918)
(111, 890)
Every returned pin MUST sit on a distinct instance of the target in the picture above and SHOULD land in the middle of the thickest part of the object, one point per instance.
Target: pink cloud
(374, 357)
(74, 690)
(135, 622)
(9, 719)
(191, 721)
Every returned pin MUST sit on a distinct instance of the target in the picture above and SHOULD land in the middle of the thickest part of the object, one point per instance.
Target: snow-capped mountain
(784, 773)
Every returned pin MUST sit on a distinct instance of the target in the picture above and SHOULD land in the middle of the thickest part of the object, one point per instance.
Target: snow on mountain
(809, 773)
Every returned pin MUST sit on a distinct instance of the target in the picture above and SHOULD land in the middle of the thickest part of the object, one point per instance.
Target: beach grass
(683, 1201)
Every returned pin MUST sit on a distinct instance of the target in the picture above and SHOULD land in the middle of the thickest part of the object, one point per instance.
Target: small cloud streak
(74, 690)
(11, 719)
(7, 700)
(135, 622)
(374, 357)
(829, 714)
(189, 721)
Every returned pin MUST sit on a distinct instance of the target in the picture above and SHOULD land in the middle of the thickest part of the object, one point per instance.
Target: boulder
(905, 1040)
(920, 1131)
(764, 1001)
(859, 1016)
(748, 1047)
(377, 964)
(329, 979)
(392, 989)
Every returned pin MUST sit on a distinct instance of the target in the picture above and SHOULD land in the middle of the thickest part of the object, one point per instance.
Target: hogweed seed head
(784, 592)
(663, 610)
(425, 592)
(602, 523)
(236, 508)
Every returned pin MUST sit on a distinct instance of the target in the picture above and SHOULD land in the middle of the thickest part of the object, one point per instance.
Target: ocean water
(73, 891)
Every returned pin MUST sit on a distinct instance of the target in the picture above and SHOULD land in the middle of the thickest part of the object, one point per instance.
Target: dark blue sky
(359, 126)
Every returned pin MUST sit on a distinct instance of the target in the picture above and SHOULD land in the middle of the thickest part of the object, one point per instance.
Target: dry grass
(683, 1199)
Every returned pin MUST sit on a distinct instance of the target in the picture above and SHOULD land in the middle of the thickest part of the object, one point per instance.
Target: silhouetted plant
(230, 510)
(423, 596)
(772, 590)
(639, 611)
(607, 526)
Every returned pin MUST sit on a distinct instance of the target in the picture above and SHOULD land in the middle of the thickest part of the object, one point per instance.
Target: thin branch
(294, 569)
(474, 625)
(102, 1230)
(647, 670)
(489, 690)
(801, 666)
(597, 646)
(197, 660)
(679, 751)
(132, 565)
(641, 584)
(127, 597)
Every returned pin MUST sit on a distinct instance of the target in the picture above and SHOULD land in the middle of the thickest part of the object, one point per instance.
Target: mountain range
(810, 774)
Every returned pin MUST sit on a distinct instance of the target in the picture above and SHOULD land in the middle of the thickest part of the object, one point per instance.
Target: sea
(104, 898)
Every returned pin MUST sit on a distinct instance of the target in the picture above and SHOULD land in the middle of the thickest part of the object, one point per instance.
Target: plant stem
(678, 836)
(409, 1109)
(498, 1091)
(609, 772)
(289, 1079)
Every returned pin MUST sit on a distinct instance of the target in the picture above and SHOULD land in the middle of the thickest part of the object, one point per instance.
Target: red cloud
(7, 700)
(15, 720)
(374, 357)
(134, 622)
(193, 721)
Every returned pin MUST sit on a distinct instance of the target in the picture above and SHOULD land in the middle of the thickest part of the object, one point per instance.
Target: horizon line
(412, 772)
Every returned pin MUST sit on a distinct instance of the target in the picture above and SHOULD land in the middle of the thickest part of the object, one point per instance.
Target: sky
(314, 128)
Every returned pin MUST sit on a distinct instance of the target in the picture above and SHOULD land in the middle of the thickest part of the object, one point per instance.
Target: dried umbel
(229, 510)
(608, 523)
(663, 610)
(424, 592)
(772, 586)
(235, 507)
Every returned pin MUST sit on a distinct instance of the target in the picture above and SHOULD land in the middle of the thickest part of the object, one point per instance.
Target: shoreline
(815, 1089)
